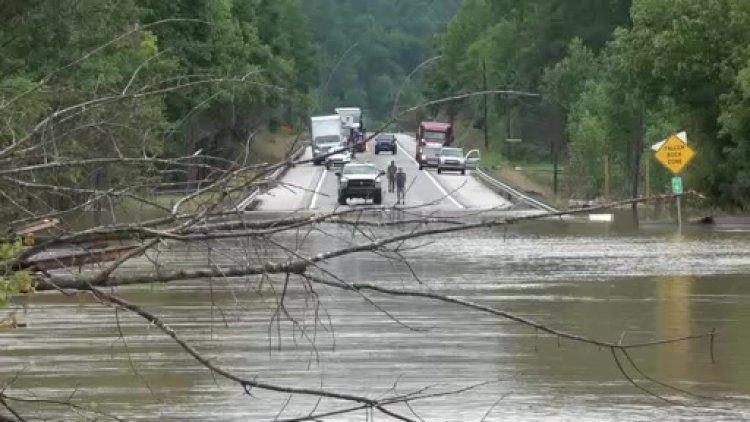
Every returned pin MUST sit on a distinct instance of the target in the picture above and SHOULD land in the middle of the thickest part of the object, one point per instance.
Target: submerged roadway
(309, 187)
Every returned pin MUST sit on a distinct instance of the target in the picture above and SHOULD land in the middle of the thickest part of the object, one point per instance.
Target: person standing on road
(392, 176)
(351, 141)
(400, 186)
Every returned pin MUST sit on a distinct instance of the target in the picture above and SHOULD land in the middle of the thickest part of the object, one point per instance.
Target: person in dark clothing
(392, 176)
(351, 142)
(400, 186)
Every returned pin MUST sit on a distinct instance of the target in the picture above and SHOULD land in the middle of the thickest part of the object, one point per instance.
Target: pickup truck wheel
(421, 167)
(463, 171)
(377, 198)
(342, 200)
(440, 170)
(377, 151)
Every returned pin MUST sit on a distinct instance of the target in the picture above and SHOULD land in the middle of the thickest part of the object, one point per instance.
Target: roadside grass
(532, 178)
(271, 147)
(267, 147)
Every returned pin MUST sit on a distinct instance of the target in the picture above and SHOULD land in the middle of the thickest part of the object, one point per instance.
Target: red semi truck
(433, 134)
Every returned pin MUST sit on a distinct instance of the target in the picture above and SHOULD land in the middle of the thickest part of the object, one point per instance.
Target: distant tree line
(365, 50)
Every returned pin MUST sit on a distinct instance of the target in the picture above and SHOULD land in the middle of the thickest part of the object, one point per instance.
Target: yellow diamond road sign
(675, 154)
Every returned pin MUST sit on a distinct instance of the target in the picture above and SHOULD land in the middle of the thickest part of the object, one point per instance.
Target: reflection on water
(636, 287)
(673, 316)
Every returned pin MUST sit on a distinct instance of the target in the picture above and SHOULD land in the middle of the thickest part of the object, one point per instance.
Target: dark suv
(385, 143)
(360, 180)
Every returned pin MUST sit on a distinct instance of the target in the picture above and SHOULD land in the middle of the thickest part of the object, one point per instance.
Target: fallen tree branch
(243, 382)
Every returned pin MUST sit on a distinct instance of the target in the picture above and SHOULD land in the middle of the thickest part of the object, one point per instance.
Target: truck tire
(377, 198)
(421, 167)
(342, 199)
(463, 171)
(377, 151)
(440, 170)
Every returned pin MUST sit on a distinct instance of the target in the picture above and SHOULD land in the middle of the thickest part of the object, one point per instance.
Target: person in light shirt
(400, 186)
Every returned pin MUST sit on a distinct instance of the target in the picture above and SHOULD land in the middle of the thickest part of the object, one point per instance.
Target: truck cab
(433, 134)
(325, 136)
(353, 128)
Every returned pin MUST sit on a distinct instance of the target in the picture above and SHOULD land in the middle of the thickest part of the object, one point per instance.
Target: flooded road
(579, 279)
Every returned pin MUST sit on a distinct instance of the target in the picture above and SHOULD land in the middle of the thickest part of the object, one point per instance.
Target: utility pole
(507, 129)
(558, 113)
(555, 162)
(647, 171)
(606, 177)
(640, 132)
(486, 127)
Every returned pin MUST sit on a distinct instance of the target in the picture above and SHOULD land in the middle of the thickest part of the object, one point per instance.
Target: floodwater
(586, 280)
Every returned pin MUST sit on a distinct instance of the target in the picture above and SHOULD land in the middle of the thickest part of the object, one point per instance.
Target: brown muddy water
(583, 279)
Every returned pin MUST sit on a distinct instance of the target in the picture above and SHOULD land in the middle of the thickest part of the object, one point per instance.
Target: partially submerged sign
(675, 154)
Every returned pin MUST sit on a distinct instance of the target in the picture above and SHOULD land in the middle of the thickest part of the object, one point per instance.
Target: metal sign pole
(677, 190)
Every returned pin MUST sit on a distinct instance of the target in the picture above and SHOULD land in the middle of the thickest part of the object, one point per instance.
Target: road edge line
(434, 181)
(314, 201)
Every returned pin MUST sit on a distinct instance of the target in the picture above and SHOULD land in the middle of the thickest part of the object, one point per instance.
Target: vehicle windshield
(438, 136)
(451, 152)
(329, 139)
(385, 138)
(354, 170)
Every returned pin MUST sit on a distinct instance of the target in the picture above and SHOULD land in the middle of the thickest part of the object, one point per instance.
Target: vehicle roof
(385, 135)
(348, 109)
(436, 126)
(330, 117)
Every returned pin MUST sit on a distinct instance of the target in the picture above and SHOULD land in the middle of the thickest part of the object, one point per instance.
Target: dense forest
(365, 50)
(221, 68)
(614, 77)
(197, 75)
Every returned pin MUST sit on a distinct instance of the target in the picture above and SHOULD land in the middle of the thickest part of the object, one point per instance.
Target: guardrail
(252, 197)
(485, 176)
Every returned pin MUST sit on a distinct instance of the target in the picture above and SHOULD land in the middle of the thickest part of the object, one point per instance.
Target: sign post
(677, 190)
(675, 154)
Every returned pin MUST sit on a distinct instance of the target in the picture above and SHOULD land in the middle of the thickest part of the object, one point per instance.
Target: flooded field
(580, 279)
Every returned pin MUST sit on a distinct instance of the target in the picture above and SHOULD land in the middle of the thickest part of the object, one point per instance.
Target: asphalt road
(312, 187)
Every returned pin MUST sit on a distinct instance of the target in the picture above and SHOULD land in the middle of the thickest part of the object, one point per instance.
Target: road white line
(314, 201)
(434, 181)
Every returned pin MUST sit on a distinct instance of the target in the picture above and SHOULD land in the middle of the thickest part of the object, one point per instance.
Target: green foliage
(227, 68)
(365, 49)
(618, 71)
(13, 281)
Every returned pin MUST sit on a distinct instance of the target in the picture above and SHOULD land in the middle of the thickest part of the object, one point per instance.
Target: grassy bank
(535, 178)
(267, 147)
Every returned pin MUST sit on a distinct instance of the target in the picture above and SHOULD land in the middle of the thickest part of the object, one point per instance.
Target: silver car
(451, 159)
(339, 159)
